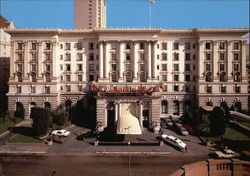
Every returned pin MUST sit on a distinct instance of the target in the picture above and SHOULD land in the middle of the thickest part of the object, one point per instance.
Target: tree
(41, 120)
(218, 122)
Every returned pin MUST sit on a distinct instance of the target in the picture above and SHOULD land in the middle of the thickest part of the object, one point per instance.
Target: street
(92, 164)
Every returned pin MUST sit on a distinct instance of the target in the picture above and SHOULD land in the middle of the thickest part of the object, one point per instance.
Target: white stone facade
(195, 67)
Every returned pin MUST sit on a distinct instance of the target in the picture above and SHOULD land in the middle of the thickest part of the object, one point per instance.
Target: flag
(152, 1)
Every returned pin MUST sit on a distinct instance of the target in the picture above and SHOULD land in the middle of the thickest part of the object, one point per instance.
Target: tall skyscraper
(89, 14)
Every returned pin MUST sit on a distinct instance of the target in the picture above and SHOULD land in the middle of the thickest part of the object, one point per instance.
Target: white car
(174, 141)
(64, 133)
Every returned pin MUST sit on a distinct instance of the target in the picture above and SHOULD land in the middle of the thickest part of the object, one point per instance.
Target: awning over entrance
(127, 122)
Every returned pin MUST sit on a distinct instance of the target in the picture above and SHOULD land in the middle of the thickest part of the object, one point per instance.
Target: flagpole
(150, 14)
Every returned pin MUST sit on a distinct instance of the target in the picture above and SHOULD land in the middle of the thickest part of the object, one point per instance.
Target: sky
(174, 14)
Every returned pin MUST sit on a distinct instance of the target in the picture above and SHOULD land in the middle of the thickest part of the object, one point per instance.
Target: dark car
(169, 122)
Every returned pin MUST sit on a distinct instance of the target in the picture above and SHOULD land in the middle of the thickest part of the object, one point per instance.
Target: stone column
(141, 113)
(121, 58)
(229, 61)
(26, 62)
(120, 109)
(153, 60)
(215, 60)
(12, 60)
(54, 60)
(101, 60)
(243, 60)
(135, 56)
(106, 66)
(40, 59)
(201, 59)
(116, 112)
(149, 60)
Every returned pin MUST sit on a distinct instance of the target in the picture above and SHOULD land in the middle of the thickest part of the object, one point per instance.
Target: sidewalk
(4, 137)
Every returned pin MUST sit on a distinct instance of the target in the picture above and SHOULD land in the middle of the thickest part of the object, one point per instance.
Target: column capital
(26, 43)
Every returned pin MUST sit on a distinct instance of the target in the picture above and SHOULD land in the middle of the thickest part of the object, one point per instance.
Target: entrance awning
(127, 122)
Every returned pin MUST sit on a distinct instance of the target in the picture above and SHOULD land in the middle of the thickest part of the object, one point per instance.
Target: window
(114, 77)
(47, 56)
(142, 56)
(164, 46)
(91, 77)
(223, 77)
(19, 89)
(176, 46)
(33, 56)
(68, 88)
(128, 77)
(19, 77)
(237, 77)
(193, 46)
(236, 45)
(97, 67)
(97, 57)
(176, 67)
(237, 89)
(61, 57)
(19, 56)
(223, 89)
(47, 46)
(236, 67)
(127, 67)
(68, 56)
(164, 78)
(20, 67)
(79, 46)
(208, 77)
(142, 46)
(113, 46)
(19, 46)
(187, 78)
(142, 77)
(222, 56)
(158, 46)
(194, 67)
(176, 77)
(33, 67)
(33, 77)
(187, 56)
(79, 67)
(68, 67)
(33, 46)
(127, 46)
(91, 46)
(207, 45)
(47, 67)
(158, 56)
(209, 89)
(187, 67)
(164, 67)
(61, 46)
(208, 56)
(79, 88)
(164, 106)
(142, 67)
(176, 56)
(187, 87)
(33, 89)
(113, 66)
(222, 67)
(113, 56)
(79, 77)
(68, 78)
(187, 46)
(222, 45)
(47, 77)
(68, 46)
(91, 67)
(127, 56)
(236, 56)
(91, 56)
(164, 56)
(208, 67)
(79, 56)
(176, 88)
(194, 57)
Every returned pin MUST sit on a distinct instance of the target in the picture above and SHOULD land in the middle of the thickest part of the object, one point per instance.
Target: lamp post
(129, 169)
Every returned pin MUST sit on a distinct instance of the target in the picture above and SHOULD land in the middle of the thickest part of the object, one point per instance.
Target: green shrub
(9, 115)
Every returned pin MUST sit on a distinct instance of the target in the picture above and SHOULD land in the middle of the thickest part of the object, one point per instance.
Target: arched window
(237, 77)
(176, 107)
(208, 77)
(164, 107)
(47, 77)
(209, 103)
(128, 77)
(142, 77)
(237, 106)
(223, 77)
(19, 77)
(33, 77)
(114, 77)
(19, 110)
(47, 105)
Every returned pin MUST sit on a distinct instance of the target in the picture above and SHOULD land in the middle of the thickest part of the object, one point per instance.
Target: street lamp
(129, 169)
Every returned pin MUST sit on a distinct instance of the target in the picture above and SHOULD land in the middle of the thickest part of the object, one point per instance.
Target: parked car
(64, 133)
(174, 141)
(58, 139)
(226, 154)
(183, 131)
(169, 122)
